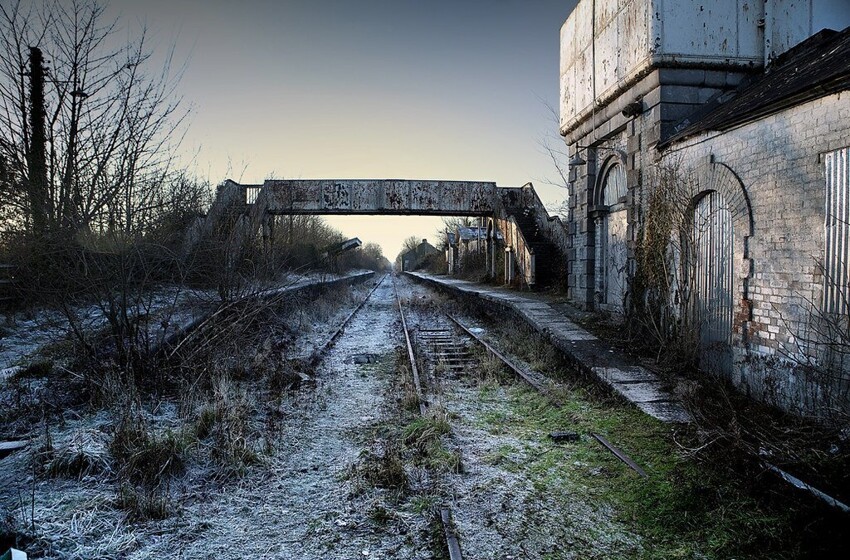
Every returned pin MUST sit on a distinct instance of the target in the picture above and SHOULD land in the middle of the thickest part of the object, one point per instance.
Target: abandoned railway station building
(710, 182)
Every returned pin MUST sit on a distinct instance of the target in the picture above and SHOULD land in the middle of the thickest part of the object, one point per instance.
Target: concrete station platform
(591, 354)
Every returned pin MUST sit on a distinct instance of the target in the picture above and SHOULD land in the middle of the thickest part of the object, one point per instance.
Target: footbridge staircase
(536, 243)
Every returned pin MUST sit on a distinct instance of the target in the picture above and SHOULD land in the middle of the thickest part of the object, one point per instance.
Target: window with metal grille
(836, 265)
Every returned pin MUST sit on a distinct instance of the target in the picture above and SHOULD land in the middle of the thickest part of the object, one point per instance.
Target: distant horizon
(441, 90)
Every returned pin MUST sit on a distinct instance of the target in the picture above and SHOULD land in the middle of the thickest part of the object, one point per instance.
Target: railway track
(320, 352)
(444, 347)
(441, 348)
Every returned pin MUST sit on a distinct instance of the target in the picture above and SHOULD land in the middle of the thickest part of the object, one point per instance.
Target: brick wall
(778, 161)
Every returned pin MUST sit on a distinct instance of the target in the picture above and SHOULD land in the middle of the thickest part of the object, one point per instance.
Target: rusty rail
(445, 514)
(411, 355)
(451, 534)
(620, 455)
(510, 364)
(548, 394)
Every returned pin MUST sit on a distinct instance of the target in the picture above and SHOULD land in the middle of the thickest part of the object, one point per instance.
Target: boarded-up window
(712, 243)
(251, 194)
(614, 185)
(837, 254)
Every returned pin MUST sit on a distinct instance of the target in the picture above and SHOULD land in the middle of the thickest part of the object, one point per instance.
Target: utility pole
(36, 159)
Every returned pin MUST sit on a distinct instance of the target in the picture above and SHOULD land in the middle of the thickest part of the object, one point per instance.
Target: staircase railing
(552, 227)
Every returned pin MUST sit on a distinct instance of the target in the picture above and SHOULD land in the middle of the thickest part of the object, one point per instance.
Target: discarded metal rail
(543, 390)
(620, 455)
(797, 483)
(9, 447)
(451, 534)
(318, 354)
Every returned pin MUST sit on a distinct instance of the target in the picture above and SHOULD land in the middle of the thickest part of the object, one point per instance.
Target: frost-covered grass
(136, 472)
(683, 510)
(692, 505)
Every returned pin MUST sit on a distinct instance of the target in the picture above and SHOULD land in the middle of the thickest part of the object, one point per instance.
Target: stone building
(417, 257)
(722, 128)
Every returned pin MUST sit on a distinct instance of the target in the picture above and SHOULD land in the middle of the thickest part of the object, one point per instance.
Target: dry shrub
(145, 462)
(423, 431)
(205, 422)
(490, 369)
(473, 266)
(143, 457)
(541, 355)
(383, 468)
(424, 436)
(659, 303)
(86, 454)
(230, 428)
(270, 362)
(109, 387)
(143, 503)
(409, 399)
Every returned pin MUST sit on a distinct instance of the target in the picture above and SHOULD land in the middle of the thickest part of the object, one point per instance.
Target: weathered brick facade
(778, 161)
(757, 154)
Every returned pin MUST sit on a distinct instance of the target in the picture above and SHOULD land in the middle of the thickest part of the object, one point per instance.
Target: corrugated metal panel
(837, 233)
(616, 260)
(713, 260)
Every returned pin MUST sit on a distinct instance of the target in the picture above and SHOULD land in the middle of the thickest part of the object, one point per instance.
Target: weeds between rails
(425, 436)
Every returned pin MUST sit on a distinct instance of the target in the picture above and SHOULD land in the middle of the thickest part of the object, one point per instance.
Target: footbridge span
(371, 196)
(528, 233)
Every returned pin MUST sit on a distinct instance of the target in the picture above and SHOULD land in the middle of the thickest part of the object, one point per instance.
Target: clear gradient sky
(407, 89)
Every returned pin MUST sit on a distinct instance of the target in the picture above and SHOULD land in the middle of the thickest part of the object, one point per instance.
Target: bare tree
(110, 120)
(371, 256)
(553, 146)
(661, 308)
